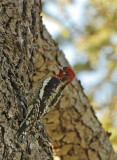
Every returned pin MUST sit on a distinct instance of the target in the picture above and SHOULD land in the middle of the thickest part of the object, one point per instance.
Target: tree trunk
(28, 53)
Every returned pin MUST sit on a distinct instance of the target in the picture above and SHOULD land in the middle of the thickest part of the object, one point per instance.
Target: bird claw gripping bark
(21, 138)
(44, 96)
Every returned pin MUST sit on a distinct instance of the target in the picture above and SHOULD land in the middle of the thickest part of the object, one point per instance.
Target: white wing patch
(44, 85)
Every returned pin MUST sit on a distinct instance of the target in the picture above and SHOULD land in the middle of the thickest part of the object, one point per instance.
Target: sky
(77, 14)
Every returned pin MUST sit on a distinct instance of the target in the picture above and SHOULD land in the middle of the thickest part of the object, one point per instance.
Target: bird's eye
(65, 68)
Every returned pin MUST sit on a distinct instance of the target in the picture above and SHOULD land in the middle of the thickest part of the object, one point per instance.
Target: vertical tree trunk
(20, 28)
(28, 53)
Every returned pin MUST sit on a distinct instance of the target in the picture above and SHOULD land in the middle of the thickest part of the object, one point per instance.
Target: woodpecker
(44, 96)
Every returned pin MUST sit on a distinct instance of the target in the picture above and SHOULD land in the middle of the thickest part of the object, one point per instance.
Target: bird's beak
(59, 67)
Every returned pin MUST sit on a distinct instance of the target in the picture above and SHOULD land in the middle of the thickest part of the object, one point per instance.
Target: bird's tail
(22, 131)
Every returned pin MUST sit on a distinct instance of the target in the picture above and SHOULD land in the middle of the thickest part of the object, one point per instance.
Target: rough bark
(28, 53)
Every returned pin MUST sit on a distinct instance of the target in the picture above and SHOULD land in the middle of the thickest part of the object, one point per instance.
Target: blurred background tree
(86, 30)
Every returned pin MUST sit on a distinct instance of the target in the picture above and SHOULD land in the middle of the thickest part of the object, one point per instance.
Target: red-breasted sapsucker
(44, 96)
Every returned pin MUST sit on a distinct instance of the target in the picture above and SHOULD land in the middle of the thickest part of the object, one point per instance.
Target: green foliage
(106, 12)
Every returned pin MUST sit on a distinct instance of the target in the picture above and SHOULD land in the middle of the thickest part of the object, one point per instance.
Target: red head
(65, 74)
